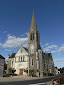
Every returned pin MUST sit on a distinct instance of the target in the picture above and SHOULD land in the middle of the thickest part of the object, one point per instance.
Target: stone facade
(2, 61)
(48, 63)
(19, 61)
(33, 43)
(42, 63)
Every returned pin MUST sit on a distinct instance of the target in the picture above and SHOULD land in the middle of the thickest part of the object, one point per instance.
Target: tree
(10, 70)
(61, 70)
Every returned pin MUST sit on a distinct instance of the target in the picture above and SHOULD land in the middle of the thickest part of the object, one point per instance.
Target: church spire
(33, 22)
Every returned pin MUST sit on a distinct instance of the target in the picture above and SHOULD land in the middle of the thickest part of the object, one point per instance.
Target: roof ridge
(2, 57)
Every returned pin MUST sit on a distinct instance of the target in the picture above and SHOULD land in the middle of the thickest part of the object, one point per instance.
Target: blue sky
(15, 21)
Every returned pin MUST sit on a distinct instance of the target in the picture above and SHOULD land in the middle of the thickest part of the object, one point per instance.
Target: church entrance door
(21, 71)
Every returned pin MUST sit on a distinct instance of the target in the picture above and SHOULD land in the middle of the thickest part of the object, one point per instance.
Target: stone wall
(1, 67)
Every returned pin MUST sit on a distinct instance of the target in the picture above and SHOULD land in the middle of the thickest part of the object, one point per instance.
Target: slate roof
(13, 55)
(1, 57)
(25, 48)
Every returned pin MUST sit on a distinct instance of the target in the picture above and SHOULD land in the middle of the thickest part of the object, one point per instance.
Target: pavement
(16, 78)
(49, 83)
(21, 80)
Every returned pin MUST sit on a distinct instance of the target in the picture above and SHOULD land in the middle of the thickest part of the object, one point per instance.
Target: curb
(49, 83)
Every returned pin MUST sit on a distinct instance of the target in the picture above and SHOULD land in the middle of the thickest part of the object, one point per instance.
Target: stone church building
(42, 63)
(18, 61)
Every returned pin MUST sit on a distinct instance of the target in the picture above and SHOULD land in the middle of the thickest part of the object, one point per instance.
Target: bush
(32, 73)
(50, 74)
(63, 80)
(10, 70)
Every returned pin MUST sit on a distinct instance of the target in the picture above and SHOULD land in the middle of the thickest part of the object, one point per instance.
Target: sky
(15, 21)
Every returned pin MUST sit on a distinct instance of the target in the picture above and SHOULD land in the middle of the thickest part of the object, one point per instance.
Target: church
(32, 58)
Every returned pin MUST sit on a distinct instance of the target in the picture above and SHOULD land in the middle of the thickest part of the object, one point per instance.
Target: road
(30, 82)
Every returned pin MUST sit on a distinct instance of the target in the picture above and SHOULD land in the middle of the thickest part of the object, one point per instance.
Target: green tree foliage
(61, 70)
(10, 70)
(32, 73)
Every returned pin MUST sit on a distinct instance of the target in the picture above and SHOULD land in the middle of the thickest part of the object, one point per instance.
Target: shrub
(10, 70)
(32, 73)
(63, 80)
(50, 74)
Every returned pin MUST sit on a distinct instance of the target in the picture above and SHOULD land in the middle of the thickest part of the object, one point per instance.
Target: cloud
(53, 51)
(7, 50)
(59, 65)
(52, 46)
(5, 31)
(8, 34)
(42, 45)
(61, 49)
(49, 48)
(0, 44)
(47, 44)
(13, 41)
(25, 44)
(46, 49)
(59, 60)
(26, 33)
(22, 35)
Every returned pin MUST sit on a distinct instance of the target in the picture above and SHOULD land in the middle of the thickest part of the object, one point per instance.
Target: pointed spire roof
(33, 22)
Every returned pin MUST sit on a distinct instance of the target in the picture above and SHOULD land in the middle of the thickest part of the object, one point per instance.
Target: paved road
(30, 82)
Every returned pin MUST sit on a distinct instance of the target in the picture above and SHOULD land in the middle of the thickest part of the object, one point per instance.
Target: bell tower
(33, 44)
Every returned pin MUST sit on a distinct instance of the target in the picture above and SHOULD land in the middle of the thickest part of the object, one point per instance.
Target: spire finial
(33, 22)
(33, 12)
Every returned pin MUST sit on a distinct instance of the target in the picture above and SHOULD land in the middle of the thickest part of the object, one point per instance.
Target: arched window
(32, 62)
(21, 58)
(12, 63)
(31, 37)
(47, 67)
(37, 36)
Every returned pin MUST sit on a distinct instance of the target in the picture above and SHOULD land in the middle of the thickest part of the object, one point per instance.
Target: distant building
(42, 63)
(2, 61)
